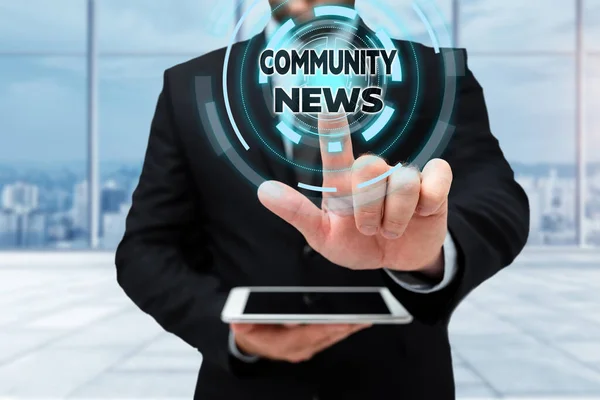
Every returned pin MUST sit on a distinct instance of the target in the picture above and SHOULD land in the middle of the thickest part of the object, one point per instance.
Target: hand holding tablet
(294, 323)
(291, 342)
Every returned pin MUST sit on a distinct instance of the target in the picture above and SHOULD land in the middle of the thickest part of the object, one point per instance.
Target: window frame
(579, 56)
(92, 55)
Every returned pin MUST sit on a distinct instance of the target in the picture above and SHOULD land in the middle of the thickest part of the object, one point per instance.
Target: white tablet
(276, 305)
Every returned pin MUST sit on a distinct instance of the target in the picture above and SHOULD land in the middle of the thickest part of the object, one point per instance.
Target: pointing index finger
(336, 150)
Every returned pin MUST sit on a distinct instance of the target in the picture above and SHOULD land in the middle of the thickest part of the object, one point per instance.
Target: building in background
(113, 226)
(33, 230)
(22, 223)
(592, 211)
(8, 230)
(531, 187)
(112, 197)
(20, 197)
(80, 211)
(114, 208)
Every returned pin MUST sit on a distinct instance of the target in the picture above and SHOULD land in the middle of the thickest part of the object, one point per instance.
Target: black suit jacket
(196, 229)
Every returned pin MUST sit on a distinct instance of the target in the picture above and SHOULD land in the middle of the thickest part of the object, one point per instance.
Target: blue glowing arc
(434, 40)
(317, 188)
(288, 132)
(225, 91)
(387, 43)
(336, 11)
(378, 178)
(384, 117)
(275, 43)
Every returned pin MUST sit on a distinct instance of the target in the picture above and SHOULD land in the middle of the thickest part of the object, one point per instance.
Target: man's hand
(398, 222)
(291, 343)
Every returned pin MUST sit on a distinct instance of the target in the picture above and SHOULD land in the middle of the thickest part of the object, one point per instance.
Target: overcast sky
(42, 98)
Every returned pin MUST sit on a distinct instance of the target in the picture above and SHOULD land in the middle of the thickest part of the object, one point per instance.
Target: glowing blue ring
(317, 188)
(280, 33)
(288, 132)
(378, 178)
(345, 23)
(262, 139)
(434, 40)
(386, 41)
(227, 56)
(382, 119)
(225, 65)
(337, 11)
(440, 125)
(274, 44)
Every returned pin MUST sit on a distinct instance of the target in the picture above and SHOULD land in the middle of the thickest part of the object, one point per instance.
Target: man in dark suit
(197, 228)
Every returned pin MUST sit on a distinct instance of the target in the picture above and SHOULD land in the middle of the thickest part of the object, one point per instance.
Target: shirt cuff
(410, 281)
(233, 349)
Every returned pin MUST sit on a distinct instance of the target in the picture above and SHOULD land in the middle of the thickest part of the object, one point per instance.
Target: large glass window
(591, 122)
(591, 25)
(592, 125)
(531, 107)
(42, 26)
(164, 27)
(402, 20)
(42, 152)
(43, 201)
(517, 26)
(138, 41)
(129, 88)
(523, 54)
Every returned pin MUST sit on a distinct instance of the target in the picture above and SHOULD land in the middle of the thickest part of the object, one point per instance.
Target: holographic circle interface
(296, 98)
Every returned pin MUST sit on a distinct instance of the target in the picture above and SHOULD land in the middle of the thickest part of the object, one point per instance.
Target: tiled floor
(69, 332)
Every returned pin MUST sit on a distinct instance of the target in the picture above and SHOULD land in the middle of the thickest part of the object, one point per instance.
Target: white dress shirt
(407, 280)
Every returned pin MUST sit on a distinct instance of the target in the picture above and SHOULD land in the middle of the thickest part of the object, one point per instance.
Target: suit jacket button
(307, 251)
(307, 299)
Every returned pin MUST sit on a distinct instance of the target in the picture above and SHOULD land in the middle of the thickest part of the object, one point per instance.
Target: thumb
(294, 208)
(241, 328)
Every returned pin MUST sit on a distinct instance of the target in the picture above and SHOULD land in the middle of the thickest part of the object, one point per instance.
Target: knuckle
(404, 181)
(371, 215)
(370, 197)
(438, 174)
(297, 214)
(442, 181)
(339, 205)
(434, 196)
(439, 164)
(411, 186)
(369, 212)
(369, 165)
(394, 225)
(404, 187)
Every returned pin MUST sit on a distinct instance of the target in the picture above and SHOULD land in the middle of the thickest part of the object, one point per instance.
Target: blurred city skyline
(523, 54)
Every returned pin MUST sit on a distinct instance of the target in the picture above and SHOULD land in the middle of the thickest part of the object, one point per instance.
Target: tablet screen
(306, 303)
